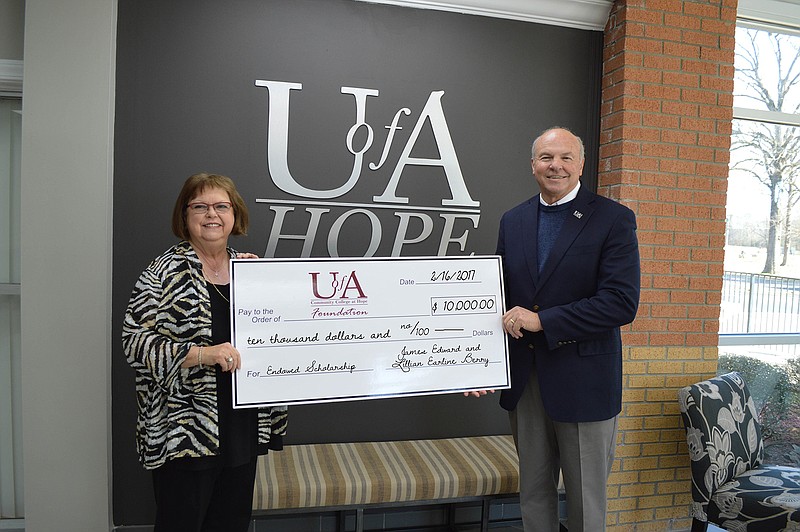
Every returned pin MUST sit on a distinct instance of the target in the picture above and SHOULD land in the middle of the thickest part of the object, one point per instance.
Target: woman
(176, 336)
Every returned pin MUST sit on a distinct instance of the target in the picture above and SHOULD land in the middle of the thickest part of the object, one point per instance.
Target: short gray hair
(548, 130)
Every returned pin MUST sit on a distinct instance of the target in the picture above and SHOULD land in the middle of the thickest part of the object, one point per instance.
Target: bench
(346, 477)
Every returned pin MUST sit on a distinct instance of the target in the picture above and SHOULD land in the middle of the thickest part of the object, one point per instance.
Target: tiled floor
(711, 528)
(13, 528)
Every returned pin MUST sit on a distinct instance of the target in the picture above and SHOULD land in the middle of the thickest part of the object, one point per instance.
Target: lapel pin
(577, 214)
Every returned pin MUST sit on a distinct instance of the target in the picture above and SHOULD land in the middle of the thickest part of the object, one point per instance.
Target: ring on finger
(229, 360)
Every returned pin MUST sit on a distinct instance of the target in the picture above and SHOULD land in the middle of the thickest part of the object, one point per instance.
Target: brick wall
(665, 138)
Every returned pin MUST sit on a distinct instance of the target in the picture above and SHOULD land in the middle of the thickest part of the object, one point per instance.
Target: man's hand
(477, 393)
(518, 318)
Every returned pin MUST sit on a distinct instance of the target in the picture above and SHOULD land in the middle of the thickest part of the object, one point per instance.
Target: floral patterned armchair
(730, 486)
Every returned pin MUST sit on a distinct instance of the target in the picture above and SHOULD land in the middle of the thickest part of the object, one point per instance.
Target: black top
(238, 428)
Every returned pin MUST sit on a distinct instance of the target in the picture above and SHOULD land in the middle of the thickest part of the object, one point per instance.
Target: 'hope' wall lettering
(460, 207)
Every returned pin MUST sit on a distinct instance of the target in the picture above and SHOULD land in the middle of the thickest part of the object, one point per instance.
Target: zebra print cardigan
(170, 311)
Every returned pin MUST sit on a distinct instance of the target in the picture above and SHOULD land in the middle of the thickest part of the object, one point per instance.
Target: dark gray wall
(187, 102)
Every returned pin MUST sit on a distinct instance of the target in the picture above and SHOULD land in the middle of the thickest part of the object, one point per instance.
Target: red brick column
(665, 138)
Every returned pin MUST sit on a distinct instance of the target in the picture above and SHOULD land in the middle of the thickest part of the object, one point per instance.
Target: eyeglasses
(223, 207)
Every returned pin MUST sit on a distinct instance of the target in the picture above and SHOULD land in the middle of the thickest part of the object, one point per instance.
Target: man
(571, 268)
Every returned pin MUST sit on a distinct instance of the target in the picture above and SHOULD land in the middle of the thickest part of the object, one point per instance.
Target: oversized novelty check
(320, 330)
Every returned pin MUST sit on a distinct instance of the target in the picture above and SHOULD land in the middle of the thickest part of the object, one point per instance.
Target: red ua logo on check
(341, 285)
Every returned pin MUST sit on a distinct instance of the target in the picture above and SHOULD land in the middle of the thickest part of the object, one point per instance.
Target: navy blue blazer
(587, 289)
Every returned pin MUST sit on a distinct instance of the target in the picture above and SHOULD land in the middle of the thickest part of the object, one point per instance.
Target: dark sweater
(551, 218)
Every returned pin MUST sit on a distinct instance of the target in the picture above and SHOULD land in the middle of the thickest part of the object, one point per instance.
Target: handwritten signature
(406, 364)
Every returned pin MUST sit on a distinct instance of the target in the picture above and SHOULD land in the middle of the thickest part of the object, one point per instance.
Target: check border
(458, 290)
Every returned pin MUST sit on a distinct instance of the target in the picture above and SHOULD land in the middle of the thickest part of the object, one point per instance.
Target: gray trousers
(582, 452)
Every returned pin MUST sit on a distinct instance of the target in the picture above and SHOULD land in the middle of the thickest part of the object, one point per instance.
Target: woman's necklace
(207, 262)
(216, 289)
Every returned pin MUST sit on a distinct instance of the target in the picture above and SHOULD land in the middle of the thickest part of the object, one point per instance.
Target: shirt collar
(569, 197)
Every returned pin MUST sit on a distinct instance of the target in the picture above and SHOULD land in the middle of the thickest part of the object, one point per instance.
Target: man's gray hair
(548, 130)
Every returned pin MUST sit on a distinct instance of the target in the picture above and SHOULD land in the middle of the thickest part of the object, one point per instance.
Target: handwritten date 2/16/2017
(454, 275)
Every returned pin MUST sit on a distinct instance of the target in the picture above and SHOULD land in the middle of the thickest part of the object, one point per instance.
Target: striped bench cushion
(357, 474)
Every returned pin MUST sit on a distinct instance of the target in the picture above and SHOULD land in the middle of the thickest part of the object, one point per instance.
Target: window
(11, 498)
(760, 314)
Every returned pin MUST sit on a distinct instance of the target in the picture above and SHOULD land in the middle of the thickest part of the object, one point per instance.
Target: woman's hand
(246, 256)
(224, 355)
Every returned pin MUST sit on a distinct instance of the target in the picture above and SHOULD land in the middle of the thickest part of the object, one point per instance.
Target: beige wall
(67, 140)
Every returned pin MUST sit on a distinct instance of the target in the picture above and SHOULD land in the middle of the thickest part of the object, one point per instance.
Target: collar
(569, 197)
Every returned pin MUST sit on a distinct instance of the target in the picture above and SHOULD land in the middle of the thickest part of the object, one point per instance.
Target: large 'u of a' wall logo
(323, 211)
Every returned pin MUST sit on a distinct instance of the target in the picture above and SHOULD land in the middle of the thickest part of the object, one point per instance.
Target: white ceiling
(589, 14)
(583, 14)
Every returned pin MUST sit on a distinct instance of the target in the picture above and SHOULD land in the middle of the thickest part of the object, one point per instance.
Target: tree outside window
(760, 316)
